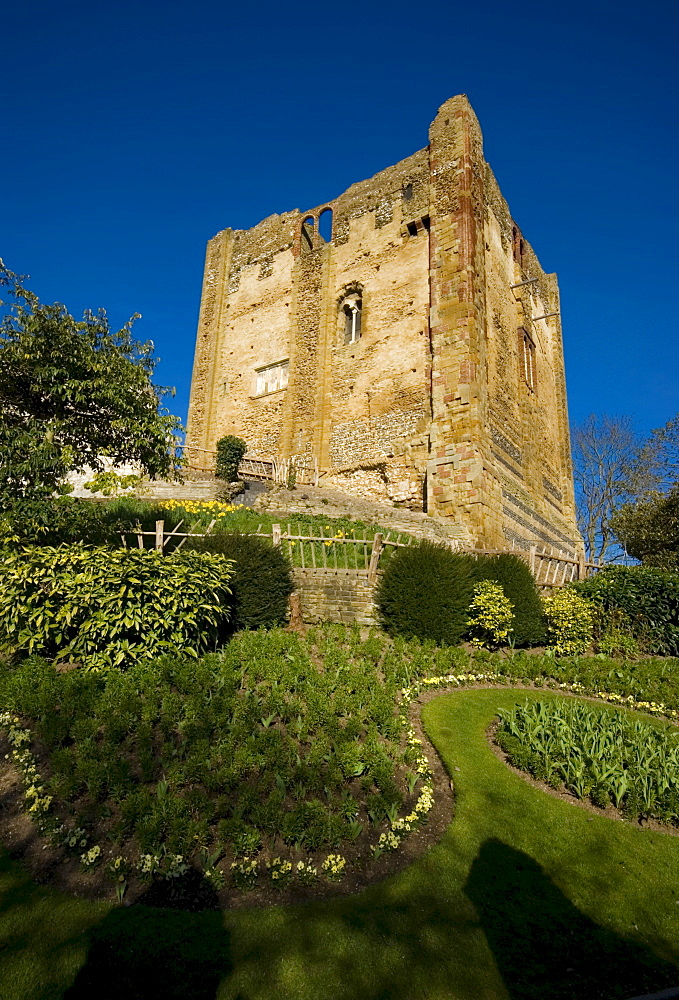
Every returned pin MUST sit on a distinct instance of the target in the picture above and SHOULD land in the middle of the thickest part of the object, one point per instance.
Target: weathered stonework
(346, 597)
(451, 396)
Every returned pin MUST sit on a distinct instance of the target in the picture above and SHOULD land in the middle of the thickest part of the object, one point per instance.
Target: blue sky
(136, 131)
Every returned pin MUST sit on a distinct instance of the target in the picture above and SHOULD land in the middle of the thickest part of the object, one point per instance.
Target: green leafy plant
(647, 597)
(491, 615)
(262, 578)
(230, 451)
(275, 741)
(606, 756)
(71, 392)
(110, 483)
(518, 584)
(425, 592)
(105, 608)
(614, 635)
(570, 621)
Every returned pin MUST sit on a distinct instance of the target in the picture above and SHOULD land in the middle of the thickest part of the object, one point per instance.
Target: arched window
(352, 307)
(325, 225)
(308, 231)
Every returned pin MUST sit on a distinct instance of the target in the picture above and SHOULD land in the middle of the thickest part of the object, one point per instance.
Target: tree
(72, 392)
(611, 468)
(649, 529)
(662, 453)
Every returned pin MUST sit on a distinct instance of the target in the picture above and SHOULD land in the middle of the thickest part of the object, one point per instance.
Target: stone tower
(404, 338)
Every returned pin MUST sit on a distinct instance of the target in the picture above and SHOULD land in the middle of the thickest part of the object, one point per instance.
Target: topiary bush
(105, 607)
(230, 451)
(645, 598)
(262, 579)
(518, 583)
(425, 593)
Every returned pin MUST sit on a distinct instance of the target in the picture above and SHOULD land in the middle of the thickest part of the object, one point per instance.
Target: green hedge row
(103, 607)
(426, 589)
(643, 599)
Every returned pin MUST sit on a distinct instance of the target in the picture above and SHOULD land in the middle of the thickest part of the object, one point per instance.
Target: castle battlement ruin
(404, 338)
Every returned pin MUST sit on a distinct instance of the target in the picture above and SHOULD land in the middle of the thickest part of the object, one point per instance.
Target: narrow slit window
(527, 360)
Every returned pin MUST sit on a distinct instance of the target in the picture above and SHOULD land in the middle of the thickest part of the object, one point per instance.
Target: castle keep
(401, 338)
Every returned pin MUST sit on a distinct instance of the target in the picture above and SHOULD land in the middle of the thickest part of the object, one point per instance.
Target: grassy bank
(526, 896)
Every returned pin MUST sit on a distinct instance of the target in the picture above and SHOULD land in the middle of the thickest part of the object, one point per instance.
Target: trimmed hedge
(646, 597)
(518, 583)
(425, 593)
(105, 607)
(230, 451)
(262, 579)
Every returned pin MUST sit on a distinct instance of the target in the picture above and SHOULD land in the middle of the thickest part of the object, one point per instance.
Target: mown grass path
(525, 897)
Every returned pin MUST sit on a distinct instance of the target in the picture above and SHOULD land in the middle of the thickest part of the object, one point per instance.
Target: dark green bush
(107, 607)
(230, 450)
(648, 598)
(425, 593)
(262, 579)
(518, 583)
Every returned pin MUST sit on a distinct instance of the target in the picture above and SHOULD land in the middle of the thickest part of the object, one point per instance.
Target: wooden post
(533, 560)
(276, 534)
(375, 556)
(160, 535)
(582, 568)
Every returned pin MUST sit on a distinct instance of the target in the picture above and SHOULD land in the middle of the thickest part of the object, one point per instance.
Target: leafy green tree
(71, 392)
(649, 529)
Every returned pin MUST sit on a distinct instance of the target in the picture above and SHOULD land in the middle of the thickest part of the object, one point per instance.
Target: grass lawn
(526, 896)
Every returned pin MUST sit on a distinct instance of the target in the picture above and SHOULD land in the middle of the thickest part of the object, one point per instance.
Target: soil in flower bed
(199, 755)
(60, 868)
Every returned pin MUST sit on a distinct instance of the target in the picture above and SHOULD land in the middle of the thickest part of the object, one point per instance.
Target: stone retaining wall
(344, 596)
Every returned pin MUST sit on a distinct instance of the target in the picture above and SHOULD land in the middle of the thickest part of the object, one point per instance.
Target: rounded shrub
(425, 593)
(103, 607)
(518, 584)
(262, 579)
(570, 621)
(230, 451)
(491, 615)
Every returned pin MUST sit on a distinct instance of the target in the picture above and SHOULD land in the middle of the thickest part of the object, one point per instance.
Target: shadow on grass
(145, 952)
(543, 945)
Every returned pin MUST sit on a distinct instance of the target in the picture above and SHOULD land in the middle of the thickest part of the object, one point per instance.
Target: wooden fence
(300, 468)
(341, 552)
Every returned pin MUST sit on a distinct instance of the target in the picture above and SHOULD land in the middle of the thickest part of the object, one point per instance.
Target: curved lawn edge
(523, 897)
(411, 845)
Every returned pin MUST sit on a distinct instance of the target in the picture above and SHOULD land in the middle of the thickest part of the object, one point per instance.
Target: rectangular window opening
(272, 378)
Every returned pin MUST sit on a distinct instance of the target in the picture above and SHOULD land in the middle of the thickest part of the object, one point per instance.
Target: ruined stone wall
(274, 298)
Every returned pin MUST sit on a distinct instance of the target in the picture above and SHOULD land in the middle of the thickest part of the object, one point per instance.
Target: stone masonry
(404, 337)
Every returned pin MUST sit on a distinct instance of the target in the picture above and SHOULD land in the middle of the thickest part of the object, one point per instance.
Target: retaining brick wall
(344, 596)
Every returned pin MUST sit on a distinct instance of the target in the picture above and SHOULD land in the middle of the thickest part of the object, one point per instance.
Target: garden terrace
(523, 896)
